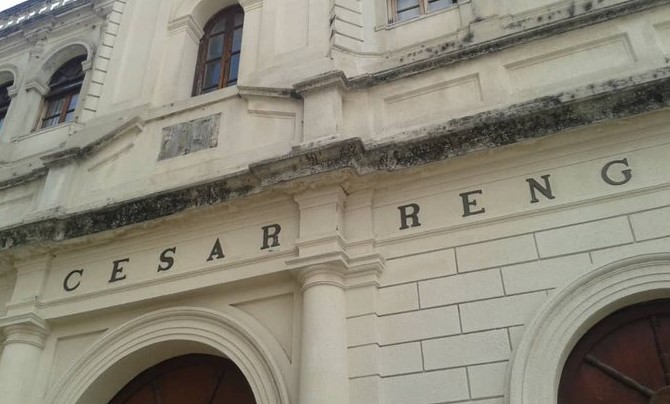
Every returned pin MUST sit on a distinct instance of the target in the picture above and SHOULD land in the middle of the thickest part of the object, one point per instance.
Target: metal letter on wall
(189, 137)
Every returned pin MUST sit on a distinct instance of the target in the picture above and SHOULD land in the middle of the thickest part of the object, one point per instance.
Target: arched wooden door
(188, 379)
(624, 359)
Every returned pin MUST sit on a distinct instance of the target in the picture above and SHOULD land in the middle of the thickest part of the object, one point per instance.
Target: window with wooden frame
(219, 55)
(403, 10)
(5, 100)
(64, 88)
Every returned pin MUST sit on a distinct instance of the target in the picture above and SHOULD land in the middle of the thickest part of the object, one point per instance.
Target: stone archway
(146, 340)
(549, 338)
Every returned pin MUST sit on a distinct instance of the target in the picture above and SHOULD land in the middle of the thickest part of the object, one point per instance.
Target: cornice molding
(590, 104)
(467, 46)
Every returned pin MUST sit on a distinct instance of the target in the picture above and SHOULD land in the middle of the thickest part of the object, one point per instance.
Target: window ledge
(69, 127)
(193, 102)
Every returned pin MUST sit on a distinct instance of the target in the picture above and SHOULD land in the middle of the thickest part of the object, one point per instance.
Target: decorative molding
(87, 64)
(335, 78)
(77, 152)
(12, 90)
(550, 336)
(39, 86)
(605, 101)
(513, 34)
(267, 92)
(321, 274)
(224, 332)
(186, 24)
(250, 5)
(28, 12)
(337, 268)
(25, 329)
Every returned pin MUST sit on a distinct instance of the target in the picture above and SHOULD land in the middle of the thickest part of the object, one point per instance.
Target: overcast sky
(5, 4)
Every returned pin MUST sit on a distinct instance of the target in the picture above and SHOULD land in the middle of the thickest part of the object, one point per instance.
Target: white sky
(5, 4)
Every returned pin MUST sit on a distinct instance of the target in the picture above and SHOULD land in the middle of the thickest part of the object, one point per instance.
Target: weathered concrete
(541, 117)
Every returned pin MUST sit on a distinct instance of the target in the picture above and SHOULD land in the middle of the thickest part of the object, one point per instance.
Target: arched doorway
(104, 368)
(570, 314)
(188, 379)
(624, 359)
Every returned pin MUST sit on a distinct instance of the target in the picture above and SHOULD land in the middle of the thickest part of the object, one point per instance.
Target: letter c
(66, 281)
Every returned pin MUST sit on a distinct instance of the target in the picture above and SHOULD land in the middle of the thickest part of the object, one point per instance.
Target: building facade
(335, 202)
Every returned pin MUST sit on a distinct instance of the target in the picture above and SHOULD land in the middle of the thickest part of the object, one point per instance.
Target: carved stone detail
(189, 137)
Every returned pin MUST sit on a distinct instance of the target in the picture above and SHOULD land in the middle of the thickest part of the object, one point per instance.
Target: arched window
(5, 100)
(219, 55)
(64, 88)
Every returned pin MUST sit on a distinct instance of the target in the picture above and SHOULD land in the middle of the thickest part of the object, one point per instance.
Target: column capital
(25, 329)
(321, 274)
(337, 269)
(186, 24)
(38, 86)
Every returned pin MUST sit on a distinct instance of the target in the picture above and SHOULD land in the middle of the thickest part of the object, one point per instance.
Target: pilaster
(25, 337)
(323, 108)
(31, 275)
(324, 368)
(253, 16)
(324, 269)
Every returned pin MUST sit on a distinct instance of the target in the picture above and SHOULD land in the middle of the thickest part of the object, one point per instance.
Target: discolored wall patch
(189, 137)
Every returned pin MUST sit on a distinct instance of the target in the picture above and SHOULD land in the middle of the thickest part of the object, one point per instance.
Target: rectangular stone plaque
(189, 137)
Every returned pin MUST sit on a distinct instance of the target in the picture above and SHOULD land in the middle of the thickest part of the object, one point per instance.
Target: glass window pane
(212, 74)
(215, 47)
(50, 122)
(407, 4)
(439, 4)
(54, 107)
(239, 19)
(69, 117)
(234, 67)
(407, 14)
(219, 27)
(2, 121)
(237, 40)
(73, 102)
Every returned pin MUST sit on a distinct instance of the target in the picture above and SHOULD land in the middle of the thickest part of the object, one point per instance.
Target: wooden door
(624, 359)
(188, 379)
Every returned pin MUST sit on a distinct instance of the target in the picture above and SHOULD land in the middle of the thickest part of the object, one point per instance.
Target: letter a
(217, 252)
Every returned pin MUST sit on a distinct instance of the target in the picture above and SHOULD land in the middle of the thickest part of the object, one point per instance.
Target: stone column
(25, 337)
(324, 368)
